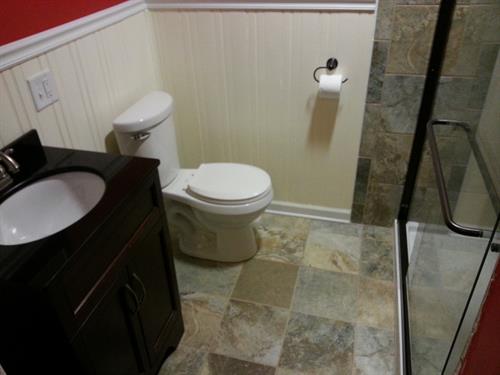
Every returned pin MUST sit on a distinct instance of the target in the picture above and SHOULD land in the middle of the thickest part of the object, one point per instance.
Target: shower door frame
(401, 262)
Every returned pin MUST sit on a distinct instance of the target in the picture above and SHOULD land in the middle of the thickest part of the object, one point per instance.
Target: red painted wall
(21, 18)
(483, 354)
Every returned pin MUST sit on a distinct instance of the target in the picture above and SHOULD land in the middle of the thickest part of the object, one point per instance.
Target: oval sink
(48, 205)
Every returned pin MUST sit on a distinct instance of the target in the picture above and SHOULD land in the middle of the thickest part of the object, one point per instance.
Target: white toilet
(214, 206)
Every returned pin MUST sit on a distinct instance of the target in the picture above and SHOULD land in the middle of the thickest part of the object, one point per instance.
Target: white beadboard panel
(243, 90)
(97, 77)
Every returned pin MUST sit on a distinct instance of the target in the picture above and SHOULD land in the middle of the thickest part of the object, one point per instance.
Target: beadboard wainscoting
(242, 84)
(96, 77)
(244, 92)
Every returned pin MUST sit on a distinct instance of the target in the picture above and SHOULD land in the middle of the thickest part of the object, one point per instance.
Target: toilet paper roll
(330, 86)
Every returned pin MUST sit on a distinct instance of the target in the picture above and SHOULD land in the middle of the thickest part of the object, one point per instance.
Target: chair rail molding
(325, 5)
(21, 50)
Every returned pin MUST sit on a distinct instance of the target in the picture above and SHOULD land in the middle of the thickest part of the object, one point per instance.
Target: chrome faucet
(8, 167)
(9, 163)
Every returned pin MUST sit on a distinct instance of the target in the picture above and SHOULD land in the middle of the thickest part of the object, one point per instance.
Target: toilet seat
(181, 190)
(229, 183)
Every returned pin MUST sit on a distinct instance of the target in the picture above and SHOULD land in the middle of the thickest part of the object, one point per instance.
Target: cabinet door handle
(131, 292)
(139, 281)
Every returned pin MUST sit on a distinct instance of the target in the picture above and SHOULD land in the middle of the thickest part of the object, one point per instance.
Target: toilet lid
(229, 181)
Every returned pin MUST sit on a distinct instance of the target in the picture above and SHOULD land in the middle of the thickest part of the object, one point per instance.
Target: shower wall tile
(362, 176)
(382, 201)
(487, 59)
(383, 26)
(462, 52)
(371, 123)
(482, 24)
(400, 102)
(377, 70)
(411, 39)
(403, 39)
(391, 158)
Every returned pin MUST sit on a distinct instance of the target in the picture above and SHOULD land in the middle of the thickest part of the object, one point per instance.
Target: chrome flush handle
(142, 136)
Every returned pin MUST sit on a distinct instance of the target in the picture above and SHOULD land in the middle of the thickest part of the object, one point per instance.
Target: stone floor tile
(282, 238)
(373, 351)
(319, 346)
(266, 282)
(376, 259)
(222, 365)
(435, 312)
(428, 355)
(205, 276)
(327, 294)
(333, 246)
(202, 315)
(376, 303)
(184, 361)
(252, 332)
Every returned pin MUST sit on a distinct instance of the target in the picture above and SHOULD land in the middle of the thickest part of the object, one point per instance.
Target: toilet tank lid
(145, 113)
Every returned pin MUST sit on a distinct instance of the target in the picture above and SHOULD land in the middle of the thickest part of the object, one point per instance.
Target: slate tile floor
(317, 299)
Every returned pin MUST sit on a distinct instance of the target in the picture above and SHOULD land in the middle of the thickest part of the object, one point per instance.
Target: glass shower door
(454, 206)
(443, 265)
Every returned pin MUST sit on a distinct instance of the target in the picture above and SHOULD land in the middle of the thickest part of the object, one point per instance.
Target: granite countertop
(122, 174)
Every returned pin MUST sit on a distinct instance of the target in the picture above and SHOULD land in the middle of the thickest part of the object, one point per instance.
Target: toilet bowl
(213, 207)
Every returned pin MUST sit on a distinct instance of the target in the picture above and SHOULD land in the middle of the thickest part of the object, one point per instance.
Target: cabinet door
(108, 341)
(151, 272)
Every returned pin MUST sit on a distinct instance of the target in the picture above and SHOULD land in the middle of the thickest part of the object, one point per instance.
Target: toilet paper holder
(331, 64)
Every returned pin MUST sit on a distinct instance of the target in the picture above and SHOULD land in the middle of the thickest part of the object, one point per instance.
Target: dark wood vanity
(99, 297)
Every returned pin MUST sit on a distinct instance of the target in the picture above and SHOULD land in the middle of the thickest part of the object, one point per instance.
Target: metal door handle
(141, 284)
(441, 185)
(142, 136)
(130, 291)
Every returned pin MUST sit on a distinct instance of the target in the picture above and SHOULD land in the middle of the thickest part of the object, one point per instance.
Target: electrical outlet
(43, 89)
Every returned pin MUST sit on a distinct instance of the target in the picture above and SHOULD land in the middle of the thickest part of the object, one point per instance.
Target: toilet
(212, 207)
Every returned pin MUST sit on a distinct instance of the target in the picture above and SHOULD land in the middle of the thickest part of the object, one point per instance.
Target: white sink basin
(48, 205)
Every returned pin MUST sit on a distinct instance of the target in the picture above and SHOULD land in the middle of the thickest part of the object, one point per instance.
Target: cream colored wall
(96, 77)
(242, 84)
(243, 90)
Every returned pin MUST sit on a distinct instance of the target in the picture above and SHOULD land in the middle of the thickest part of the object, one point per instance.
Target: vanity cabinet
(137, 319)
(106, 302)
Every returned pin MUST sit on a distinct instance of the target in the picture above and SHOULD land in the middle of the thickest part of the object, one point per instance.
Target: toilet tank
(147, 129)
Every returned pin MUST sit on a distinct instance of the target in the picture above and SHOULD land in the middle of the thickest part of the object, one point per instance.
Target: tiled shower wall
(403, 39)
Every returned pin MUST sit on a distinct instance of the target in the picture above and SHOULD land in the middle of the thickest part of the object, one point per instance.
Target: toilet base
(214, 237)
(221, 246)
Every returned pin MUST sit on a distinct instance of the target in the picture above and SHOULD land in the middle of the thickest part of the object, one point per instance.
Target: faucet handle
(9, 162)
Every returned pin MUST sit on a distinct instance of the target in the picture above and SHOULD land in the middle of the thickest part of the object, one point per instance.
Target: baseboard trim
(17, 52)
(309, 211)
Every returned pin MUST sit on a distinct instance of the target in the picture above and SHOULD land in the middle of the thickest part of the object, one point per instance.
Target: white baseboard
(309, 211)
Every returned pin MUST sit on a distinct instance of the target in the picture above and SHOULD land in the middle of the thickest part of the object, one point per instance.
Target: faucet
(9, 167)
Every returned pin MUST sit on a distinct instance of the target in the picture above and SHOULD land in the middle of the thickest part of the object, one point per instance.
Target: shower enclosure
(446, 234)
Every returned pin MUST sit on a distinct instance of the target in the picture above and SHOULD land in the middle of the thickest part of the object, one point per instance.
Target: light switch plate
(43, 89)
